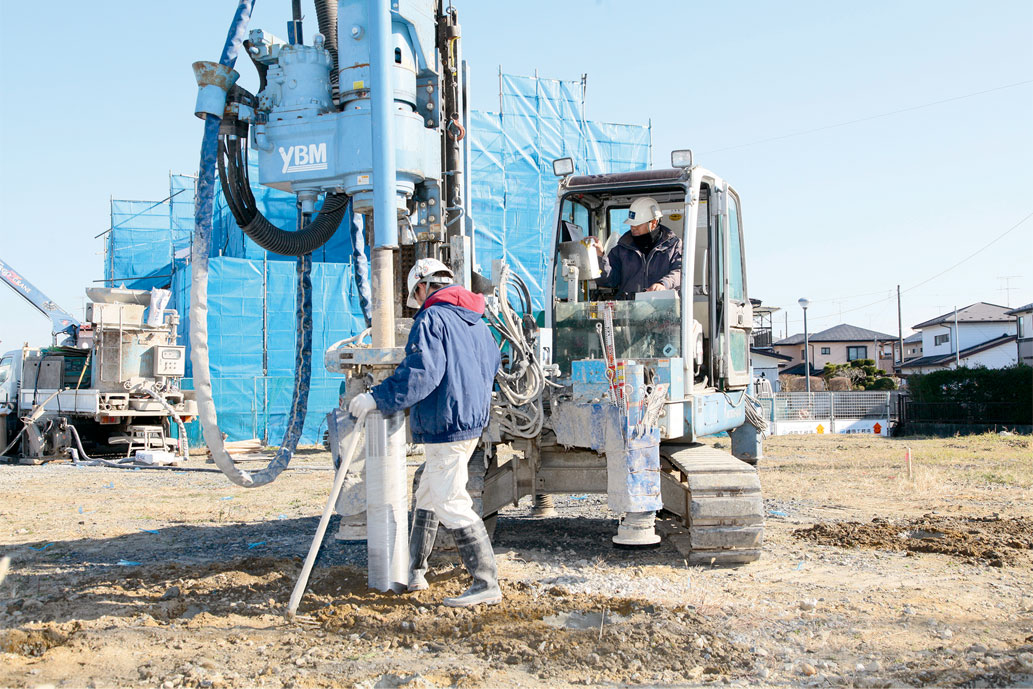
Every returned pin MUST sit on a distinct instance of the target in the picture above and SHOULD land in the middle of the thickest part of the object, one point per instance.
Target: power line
(974, 253)
(942, 272)
(870, 117)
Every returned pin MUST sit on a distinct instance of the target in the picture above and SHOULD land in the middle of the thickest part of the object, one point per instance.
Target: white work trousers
(442, 488)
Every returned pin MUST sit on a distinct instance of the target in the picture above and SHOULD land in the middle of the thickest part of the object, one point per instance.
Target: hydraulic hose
(199, 302)
(232, 162)
(184, 446)
(326, 16)
(359, 262)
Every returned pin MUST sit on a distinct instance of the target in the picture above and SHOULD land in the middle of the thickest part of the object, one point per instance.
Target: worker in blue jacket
(446, 379)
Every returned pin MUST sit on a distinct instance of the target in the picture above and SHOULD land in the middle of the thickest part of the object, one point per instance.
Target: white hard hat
(643, 210)
(429, 271)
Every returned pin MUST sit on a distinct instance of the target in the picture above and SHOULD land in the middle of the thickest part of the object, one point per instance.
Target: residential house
(767, 365)
(839, 344)
(980, 334)
(912, 347)
(1024, 332)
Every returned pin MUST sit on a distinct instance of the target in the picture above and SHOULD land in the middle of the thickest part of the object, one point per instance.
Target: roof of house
(914, 337)
(936, 359)
(770, 353)
(844, 332)
(1022, 309)
(980, 312)
(791, 340)
(798, 371)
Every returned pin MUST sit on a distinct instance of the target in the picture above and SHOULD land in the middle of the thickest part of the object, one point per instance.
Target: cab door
(736, 312)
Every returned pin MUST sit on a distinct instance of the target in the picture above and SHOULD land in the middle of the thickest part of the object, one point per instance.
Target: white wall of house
(1001, 356)
(1025, 333)
(971, 334)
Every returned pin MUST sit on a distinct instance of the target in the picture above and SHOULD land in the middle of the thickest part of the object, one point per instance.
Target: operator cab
(712, 336)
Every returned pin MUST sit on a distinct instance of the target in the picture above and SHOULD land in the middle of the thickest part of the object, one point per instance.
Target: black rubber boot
(421, 544)
(478, 557)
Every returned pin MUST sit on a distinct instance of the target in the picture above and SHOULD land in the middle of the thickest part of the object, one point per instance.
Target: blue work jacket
(448, 372)
(627, 269)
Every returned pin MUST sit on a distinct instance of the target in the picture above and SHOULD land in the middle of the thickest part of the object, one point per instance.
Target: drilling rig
(366, 125)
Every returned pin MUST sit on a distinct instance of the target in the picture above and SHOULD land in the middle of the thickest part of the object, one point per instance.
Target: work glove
(361, 404)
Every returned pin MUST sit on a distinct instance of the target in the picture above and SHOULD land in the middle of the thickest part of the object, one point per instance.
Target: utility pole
(900, 327)
(957, 341)
(804, 303)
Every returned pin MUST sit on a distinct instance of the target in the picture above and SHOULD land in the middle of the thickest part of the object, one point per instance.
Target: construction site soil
(870, 577)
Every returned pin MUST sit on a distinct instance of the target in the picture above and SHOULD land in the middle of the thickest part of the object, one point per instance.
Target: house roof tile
(844, 332)
(1022, 309)
(934, 359)
(980, 312)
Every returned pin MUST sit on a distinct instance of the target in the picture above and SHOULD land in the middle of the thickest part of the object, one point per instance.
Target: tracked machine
(596, 393)
(634, 384)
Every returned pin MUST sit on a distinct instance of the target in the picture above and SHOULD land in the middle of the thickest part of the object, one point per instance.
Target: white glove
(361, 404)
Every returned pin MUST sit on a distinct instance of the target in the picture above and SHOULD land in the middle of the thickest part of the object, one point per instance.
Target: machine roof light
(681, 158)
(561, 167)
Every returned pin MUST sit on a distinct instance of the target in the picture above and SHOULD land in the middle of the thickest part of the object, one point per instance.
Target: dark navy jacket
(448, 371)
(629, 271)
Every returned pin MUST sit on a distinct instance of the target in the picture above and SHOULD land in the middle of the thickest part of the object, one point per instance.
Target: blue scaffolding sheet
(251, 292)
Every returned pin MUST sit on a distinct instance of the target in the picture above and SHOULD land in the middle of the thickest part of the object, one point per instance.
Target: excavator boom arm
(62, 322)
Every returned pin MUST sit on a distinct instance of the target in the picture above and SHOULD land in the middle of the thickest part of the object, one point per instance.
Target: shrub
(1000, 393)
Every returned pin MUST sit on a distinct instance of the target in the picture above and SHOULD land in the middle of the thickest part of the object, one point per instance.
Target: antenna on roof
(1007, 287)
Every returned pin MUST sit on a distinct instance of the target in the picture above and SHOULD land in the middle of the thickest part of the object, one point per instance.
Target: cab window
(736, 282)
(5, 369)
(573, 212)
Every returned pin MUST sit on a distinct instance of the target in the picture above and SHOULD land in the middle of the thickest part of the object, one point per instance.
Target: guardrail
(796, 413)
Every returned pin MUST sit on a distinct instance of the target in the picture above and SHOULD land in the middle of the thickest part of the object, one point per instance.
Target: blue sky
(97, 102)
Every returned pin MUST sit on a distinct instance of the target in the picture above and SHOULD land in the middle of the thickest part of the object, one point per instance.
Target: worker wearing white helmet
(446, 378)
(647, 258)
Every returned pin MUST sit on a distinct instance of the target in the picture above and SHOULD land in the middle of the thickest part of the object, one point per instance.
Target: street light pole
(804, 303)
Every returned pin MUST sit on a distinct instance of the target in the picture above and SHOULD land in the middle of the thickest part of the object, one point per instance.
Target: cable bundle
(518, 406)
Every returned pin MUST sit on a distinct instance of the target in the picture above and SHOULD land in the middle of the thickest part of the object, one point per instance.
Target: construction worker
(645, 259)
(446, 377)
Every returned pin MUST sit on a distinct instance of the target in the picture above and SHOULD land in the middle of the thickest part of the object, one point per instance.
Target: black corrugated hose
(236, 187)
(326, 15)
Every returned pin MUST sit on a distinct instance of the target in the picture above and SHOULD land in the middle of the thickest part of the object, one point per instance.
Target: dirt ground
(870, 577)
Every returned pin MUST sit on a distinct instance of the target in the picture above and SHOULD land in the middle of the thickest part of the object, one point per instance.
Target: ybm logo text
(302, 158)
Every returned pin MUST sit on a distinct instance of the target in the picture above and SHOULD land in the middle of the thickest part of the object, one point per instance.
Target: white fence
(796, 413)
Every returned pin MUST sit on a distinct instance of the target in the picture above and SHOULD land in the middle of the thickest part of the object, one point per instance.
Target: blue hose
(359, 261)
(203, 205)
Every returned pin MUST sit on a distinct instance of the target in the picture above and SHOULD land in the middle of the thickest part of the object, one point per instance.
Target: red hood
(458, 296)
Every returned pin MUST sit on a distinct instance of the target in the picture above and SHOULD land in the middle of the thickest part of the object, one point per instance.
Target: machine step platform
(717, 502)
